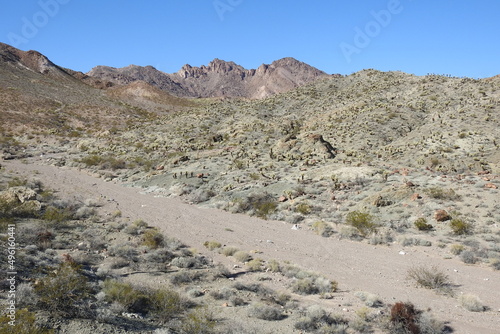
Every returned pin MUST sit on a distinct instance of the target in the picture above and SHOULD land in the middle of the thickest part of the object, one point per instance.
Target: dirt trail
(356, 266)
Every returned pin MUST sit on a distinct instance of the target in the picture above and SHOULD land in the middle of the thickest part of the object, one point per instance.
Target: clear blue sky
(458, 37)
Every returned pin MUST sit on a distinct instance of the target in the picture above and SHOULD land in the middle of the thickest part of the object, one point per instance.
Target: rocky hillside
(218, 79)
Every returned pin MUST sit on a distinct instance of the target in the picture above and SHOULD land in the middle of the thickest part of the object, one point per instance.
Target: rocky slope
(218, 79)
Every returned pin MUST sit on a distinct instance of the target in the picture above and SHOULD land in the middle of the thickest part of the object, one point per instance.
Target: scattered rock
(415, 196)
(490, 186)
(441, 215)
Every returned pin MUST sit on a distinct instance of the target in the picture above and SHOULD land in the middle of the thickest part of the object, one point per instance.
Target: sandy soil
(356, 266)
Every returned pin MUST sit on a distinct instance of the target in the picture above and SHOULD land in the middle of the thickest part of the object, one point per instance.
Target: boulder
(441, 215)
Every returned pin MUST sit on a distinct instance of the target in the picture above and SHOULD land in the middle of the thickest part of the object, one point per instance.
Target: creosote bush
(25, 324)
(422, 225)
(362, 221)
(404, 318)
(64, 291)
(460, 227)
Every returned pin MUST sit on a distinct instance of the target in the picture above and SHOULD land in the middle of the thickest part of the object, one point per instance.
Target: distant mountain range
(218, 79)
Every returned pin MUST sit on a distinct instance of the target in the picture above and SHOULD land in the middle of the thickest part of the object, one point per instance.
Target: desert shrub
(303, 208)
(255, 265)
(223, 293)
(236, 301)
(460, 227)
(274, 266)
(468, 257)
(199, 321)
(25, 295)
(456, 249)
(310, 286)
(253, 287)
(404, 318)
(25, 324)
(442, 194)
(183, 277)
(495, 264)
(125, 251)
(229, 251)
(165, 304)
(322, 228)
(56, 216)
(136, 228)
(265, 312)
(362, 221)
(422, 225)
(471, 303)
(370, 299)
(153, 239)
(64, 290)
(185, 262)
(123, 293)
(429, 278)
(317, 320)
(242, 256)
(211, 245)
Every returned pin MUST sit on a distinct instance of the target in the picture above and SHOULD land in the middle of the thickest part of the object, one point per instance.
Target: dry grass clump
(211, 245)
(316, 319)
(322, 228)
(228, 251)
(370, 299)
(471, 303)
(442, 194)
(242, 256)
(430, 278)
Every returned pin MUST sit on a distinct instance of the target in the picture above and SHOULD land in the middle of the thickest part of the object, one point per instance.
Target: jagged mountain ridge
(218, 79)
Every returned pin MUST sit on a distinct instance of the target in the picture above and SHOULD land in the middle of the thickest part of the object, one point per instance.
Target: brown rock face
(218, 79)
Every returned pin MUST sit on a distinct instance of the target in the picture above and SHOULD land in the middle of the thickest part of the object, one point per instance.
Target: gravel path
(356, 266)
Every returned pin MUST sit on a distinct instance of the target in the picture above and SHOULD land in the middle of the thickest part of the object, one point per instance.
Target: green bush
(56, 216)
(264, 209)
(460, 227)
(199, 321)
(303, 208)
(25, 324)
(166, 304)
(422, 225)
(122, 293)
(362, 221)
(64, 290)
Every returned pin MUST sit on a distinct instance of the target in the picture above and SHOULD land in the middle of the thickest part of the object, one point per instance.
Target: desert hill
(218, 79)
